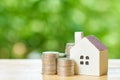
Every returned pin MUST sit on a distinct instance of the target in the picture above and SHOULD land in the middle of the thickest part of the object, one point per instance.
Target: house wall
(74, 54)
(93, 67)
(85, 48)
(103, 62)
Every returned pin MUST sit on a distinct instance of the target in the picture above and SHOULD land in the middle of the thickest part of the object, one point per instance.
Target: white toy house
(90, 55)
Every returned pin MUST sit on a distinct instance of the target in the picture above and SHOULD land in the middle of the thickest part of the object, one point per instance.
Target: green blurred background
(28, 27)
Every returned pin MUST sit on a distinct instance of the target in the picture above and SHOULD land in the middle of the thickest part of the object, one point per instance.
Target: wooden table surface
(30, 69)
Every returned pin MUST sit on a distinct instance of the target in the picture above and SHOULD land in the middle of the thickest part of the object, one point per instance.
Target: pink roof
(96, 43)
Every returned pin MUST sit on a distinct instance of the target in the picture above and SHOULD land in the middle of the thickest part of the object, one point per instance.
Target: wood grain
(30, 69)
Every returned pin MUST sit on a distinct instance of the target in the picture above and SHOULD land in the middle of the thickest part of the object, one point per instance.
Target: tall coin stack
(67, 49)
(65, 67)
(49, 62)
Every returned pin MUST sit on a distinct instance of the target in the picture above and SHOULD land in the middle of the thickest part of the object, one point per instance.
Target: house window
(84, 60)
(81, 57)
(87, 63)
(81, 62)
(87, 57)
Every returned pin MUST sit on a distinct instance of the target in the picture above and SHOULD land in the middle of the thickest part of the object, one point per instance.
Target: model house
(90, 55)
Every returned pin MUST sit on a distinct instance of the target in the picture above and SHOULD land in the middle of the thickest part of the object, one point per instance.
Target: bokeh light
(28, 27)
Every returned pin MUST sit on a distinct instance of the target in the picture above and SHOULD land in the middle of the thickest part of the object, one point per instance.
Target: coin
(65, 62)
(51, 54)
(62, 55)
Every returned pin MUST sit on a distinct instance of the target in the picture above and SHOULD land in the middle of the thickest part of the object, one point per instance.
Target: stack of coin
(49, 62)
(67, 49)
(65, 67)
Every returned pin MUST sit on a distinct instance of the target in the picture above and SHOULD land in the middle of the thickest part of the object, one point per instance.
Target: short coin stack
(49, 62)
(65, 67)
